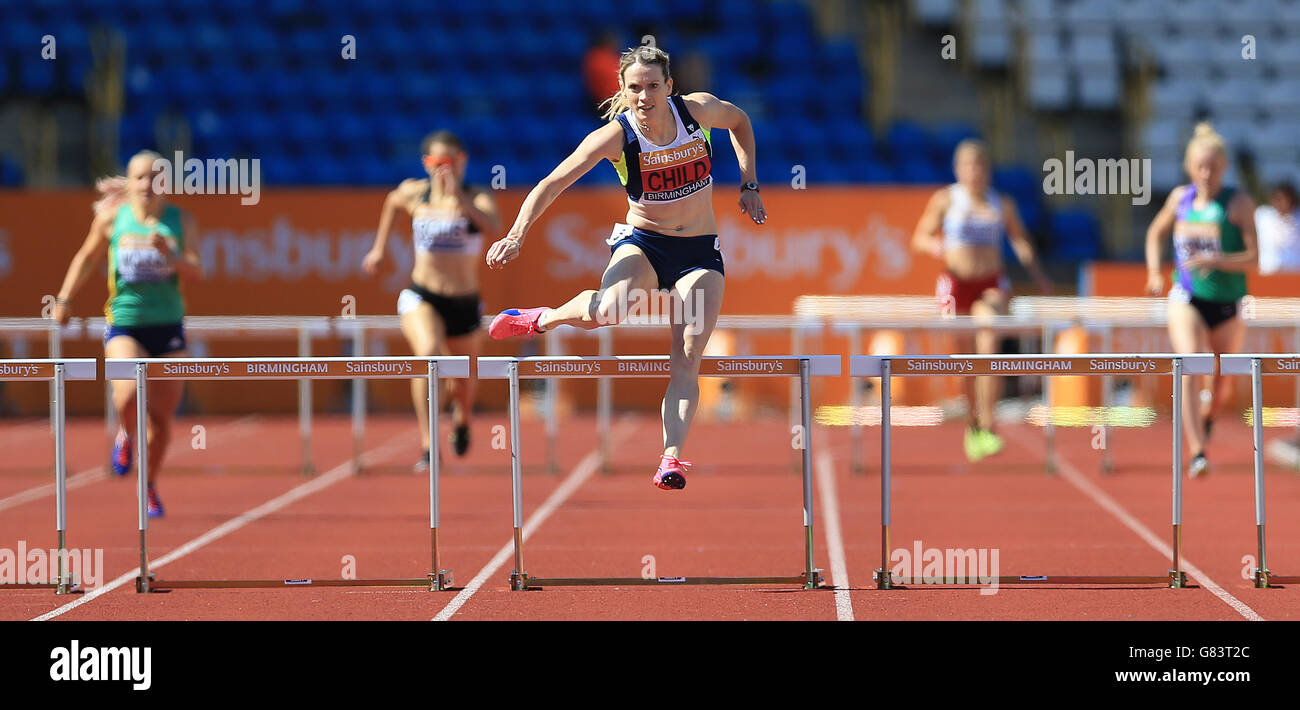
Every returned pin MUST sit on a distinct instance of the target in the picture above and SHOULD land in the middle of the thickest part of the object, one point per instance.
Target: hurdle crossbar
(514, 369)
(287, 368)
(1258, 366)
(56, 371)
(1176, 365)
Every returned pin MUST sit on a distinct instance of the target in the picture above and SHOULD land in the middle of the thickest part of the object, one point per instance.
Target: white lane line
(239, 427)
(1103, 499)
(834, 539)
(325, 480)
(78, 480)
(571, 483)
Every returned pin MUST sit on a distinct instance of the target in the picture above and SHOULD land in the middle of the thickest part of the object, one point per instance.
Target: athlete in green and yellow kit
(1214, 248)
(150, 245)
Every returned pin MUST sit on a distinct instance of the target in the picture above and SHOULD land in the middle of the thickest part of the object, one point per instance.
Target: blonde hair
(646, 55)
(112, 190)
(980, 147)
(1204, 136)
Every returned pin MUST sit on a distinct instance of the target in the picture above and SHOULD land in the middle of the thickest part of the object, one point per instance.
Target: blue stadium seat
(875, 170)
(921, 170)
(11, 173)
(1075, 235)
(946, 137)
(907, 139)
(36, 77)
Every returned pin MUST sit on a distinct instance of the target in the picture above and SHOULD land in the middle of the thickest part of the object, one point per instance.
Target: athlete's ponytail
(646, 55)
(112, 190)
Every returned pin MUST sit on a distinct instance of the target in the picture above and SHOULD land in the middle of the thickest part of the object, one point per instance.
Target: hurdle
(56, 371)
(803, 367)
(286, 368)
(1176, 365)
(1257, 366)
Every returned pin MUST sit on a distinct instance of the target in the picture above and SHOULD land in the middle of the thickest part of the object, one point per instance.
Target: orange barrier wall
(1128, 279)
(298, 252)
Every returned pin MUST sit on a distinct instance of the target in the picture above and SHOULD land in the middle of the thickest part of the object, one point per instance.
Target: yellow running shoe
(990, 444)
(974, 445)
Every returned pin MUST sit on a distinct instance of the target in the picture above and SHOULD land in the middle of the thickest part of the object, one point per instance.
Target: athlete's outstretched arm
(604, 143)
(397, 199)
(711, 111)
(927, 238)
(1241, 212)
(1160, 227)
(1019, 237)
(91, 251)
(187, 263)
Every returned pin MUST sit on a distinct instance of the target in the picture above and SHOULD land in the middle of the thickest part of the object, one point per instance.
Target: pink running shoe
(516, 322)
(670, 474)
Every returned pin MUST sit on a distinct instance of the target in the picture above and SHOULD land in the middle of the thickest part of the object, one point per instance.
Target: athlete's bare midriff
(969, 263)
(691, 216)
(446, 274)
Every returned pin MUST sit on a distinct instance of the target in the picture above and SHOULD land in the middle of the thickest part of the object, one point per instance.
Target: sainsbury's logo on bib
(673, 173)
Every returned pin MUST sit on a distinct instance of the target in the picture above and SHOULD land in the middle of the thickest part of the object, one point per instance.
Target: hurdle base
(1177, 579)
(427, 581)
(886, 581)
(67, 585)
(441, 581)
(1265, 579)
(520, 582)
(144, 585)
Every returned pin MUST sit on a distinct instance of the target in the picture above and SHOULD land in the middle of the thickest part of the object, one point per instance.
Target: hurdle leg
(518, 577)
(358, 401)
(439, 579)
(882, 574)
(1107, 464)
(1257, 433)
(110, 422)
(855, 405)
(142, 472)
(64, 582)
(304, 403)
(553, 348)
(812, 579)
(1178, 578)
(1049, 431)
(56, 352)
(604, 398)
(796, 347)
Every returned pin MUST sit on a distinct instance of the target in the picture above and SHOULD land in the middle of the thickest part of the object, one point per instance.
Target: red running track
(739, 515)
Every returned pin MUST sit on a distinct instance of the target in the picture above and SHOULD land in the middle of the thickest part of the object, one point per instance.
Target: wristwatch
(749, 186)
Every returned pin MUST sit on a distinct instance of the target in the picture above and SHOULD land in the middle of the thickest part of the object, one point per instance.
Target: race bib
(1193, 238)
(138, 261)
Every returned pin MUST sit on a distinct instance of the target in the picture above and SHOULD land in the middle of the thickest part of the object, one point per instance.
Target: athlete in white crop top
(441, 308)
(659, 144)
(963, 225)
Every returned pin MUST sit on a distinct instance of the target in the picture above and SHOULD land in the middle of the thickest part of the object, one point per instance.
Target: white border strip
(81, 368)
(497, 368)
(1239, 363)
(869, 365)
(448, 366)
